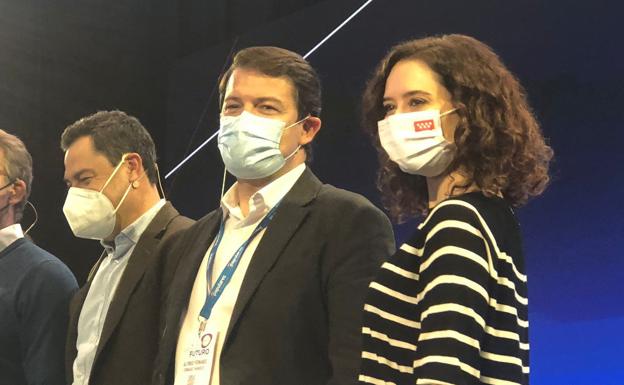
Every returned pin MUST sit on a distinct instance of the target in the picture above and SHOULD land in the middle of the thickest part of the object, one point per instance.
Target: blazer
(297, 317)
(129, 339)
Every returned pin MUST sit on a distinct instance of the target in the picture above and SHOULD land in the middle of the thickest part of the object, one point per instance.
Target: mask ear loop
(159, 181)
(449, 112)
(297, 122)
(452, 110)
(123, 198)
(114, 172)
(292, 153)
(298, 146)
(223, 182)
(130, 186)
(36, 217)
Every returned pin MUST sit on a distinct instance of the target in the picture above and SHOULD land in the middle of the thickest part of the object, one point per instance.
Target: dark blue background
(568, 56)
(159, 60)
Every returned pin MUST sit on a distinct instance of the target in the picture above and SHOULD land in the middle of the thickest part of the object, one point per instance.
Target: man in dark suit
(269, 288)
(111, 172)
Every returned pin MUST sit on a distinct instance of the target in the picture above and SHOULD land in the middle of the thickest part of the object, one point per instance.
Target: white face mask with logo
(415, 142)
(90, 213)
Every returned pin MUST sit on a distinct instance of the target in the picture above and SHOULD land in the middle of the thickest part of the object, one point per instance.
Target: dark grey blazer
(297, 318)
(129, 339)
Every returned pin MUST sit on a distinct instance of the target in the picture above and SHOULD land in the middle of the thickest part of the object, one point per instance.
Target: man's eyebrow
(261, 99)
(269, 99)
(235, 98)
(79, 174)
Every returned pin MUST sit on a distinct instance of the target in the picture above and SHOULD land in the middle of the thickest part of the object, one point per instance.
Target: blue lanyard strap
(228, 271)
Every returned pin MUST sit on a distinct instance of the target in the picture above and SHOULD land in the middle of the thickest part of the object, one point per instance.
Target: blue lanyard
(228, 271)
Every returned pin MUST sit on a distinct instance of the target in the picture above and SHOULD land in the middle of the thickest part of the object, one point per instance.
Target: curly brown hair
(499, 144)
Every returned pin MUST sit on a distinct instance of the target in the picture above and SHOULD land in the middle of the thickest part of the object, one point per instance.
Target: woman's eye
(387, 108)
(416, 102)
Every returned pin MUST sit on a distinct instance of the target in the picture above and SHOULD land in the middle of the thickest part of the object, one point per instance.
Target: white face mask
(414, 141)
(249, 145)
(90, 213)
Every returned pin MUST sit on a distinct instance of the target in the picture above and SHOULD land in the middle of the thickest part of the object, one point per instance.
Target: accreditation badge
(198, 360)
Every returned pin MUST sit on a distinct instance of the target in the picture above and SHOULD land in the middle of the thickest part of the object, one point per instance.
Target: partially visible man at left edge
(35, 287)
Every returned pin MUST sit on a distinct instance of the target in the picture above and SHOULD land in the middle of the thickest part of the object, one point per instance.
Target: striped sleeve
(472, 305)
(391, 321)
(453, 297)
(451, 306)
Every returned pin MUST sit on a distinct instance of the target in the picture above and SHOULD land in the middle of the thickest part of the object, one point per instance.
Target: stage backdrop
(159, 60)
(568, 56)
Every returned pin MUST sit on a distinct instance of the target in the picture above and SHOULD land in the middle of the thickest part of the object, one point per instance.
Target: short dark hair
(18, 166)
(114, 133)
(279, 62)
(499, 142)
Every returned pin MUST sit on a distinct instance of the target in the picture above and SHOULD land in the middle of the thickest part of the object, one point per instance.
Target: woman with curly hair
(458, 145)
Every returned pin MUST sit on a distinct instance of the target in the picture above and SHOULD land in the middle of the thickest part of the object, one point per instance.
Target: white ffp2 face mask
(90, 213)
(249, 145)
(414, 141)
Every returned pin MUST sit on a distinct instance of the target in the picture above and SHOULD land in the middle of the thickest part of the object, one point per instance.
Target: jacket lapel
(75, 307)
(196, 244)
(137, 264)
(76, 303)
(288, 217)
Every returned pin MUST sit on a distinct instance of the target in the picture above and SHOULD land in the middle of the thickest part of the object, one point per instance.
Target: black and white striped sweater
(450, 307)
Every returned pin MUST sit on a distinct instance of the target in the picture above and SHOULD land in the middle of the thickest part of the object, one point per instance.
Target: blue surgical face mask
(249, 145)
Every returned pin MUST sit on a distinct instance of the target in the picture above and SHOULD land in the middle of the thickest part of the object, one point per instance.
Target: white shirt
(102, 290)
(9, 235)
(237, 230)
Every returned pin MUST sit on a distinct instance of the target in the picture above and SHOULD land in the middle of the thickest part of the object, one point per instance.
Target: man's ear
(18, 192)
(135, 165)
(311, 127)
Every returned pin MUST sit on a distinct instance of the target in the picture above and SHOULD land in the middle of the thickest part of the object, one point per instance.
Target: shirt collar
(262, 200)
(9, 235)
(129, 236)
